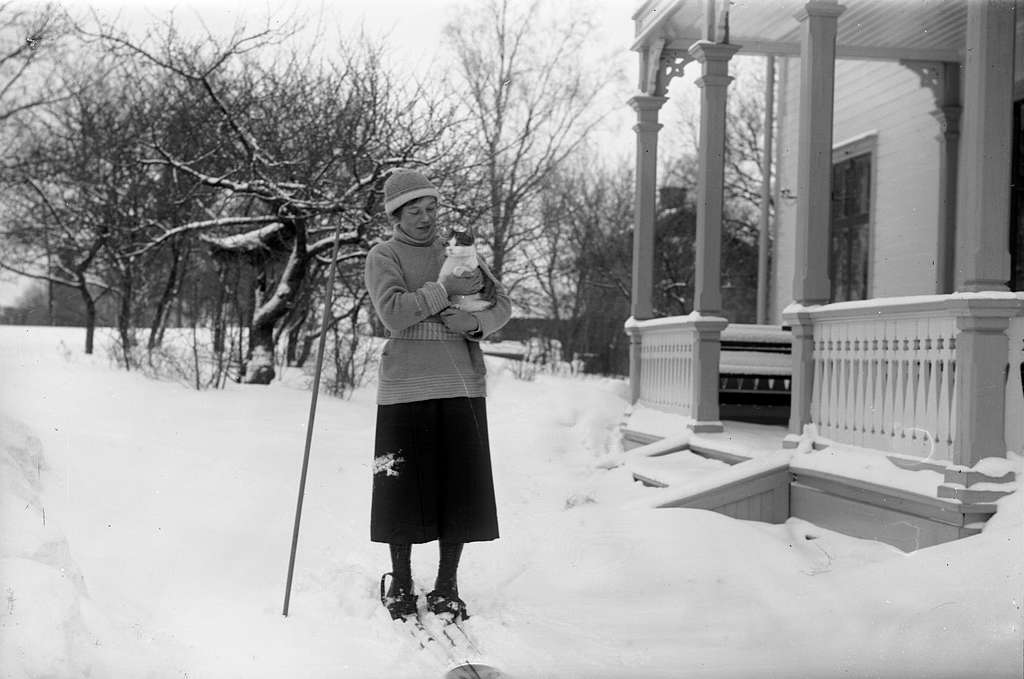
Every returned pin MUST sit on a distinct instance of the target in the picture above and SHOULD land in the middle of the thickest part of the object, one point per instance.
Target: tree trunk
(259, 364)
(166, 297)
(292, 350)
(124, 325)
(305, 350)
(259, 367)
(90, 317)
(219, 315)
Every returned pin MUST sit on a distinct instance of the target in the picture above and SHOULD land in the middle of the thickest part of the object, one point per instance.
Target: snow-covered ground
(145, 530)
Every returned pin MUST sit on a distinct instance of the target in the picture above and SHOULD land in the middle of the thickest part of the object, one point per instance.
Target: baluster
(1014, 419)
(932, 411)
(899, 402)
(888, 384)
(818, 400)
(832, 379)
(947, 410)
(675, 374)
(913, 374)
(663, 361)
(860, 346)
(833, 384)
(835, 350)
(846, 411)
(878, 383)
(853, 363)
(955, 395)
(916, 371)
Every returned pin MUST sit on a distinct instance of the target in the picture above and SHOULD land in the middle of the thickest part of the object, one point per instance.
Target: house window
(1017, 201)
(849, 249)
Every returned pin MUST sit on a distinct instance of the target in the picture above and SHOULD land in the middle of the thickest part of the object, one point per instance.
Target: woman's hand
(460, 321)
(463, 285)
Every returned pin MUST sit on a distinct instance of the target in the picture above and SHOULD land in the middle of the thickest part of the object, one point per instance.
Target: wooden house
(898, 251)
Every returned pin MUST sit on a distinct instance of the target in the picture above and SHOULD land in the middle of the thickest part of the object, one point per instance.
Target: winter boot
(399, 599)
(447, 603)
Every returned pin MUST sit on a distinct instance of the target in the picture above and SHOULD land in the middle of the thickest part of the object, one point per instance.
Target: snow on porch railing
(885, 377)
(1014, 420)
(666, 363)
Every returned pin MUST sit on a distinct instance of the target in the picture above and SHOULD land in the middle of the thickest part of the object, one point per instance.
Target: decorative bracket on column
(659, 66)
(943, 79)
(931, 74)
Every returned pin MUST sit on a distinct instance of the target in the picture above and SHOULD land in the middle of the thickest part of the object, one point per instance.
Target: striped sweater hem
(427, 388)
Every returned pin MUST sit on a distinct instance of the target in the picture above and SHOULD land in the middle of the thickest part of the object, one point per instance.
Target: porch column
(981, 356)
(983, 223)
(641, 308)
(713, 83)
(707, 350)
(707, 301)
(801, 386)
(948, 115)
(983, 206)
(819, 20)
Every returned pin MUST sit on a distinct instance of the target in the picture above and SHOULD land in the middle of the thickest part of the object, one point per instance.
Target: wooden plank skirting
(903, 519)
(760, 496)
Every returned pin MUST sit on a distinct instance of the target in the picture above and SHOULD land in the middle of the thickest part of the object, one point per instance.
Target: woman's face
(418, 218)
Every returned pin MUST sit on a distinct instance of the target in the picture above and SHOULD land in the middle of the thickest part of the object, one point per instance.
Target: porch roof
(925, 30)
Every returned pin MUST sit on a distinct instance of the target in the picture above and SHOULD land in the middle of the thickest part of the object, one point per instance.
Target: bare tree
(31, 37)
(580, 260)
(295, 150)
(77, 194)
(741, 215)
(530, 101)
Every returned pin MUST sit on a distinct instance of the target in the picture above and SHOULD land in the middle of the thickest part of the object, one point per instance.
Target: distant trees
(200, 181)
(199, 163)
(579, 262)
(290, 152)
(530, 102)
(743, 170)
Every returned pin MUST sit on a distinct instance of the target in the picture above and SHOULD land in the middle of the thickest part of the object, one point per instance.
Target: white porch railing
(935, 376)
(666, 365)
(886, 378)
(674, 366)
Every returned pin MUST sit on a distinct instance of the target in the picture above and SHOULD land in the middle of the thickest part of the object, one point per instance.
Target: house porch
(923, 392)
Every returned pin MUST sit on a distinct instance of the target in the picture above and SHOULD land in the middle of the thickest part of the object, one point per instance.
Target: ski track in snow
(145, 530)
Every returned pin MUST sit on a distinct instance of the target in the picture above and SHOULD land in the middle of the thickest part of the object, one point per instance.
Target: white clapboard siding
(886, 100)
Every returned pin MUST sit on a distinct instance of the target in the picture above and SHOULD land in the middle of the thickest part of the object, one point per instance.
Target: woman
(432, 468)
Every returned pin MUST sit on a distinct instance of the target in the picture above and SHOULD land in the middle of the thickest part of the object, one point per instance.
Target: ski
(413, 627)
(447, 640)
(468, 661)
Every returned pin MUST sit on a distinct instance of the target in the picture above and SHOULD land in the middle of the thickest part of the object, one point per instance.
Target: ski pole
(328, 294)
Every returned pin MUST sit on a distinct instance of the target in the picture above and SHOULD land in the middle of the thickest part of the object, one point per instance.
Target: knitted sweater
(423, 359)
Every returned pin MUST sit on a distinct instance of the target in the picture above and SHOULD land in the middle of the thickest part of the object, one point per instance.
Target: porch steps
(743, 472)
(754, 490)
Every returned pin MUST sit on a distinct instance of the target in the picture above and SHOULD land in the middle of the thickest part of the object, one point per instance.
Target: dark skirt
(432, 473)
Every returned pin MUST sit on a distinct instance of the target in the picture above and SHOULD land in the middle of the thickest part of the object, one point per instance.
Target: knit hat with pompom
(404, 185)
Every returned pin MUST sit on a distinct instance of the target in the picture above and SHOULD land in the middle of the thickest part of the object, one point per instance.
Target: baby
(461, 259)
